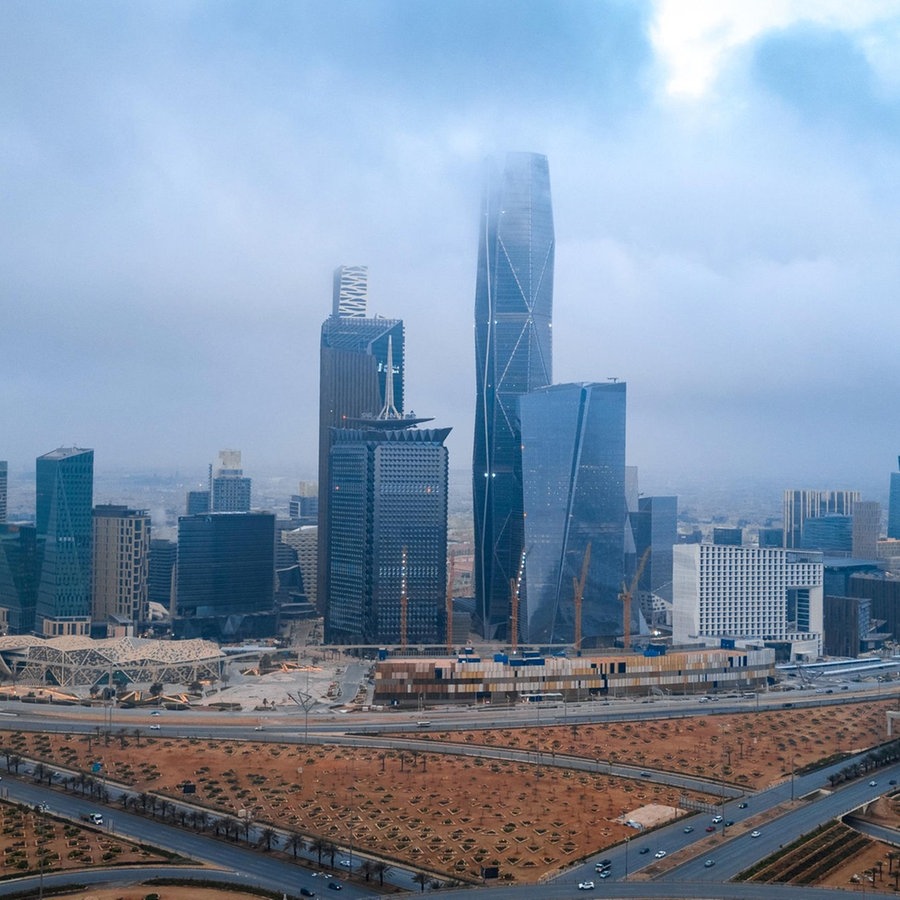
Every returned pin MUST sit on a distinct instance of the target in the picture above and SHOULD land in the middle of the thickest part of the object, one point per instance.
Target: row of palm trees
(881, 756)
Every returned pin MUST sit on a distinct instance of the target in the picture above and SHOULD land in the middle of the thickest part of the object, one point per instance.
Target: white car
(660, 854)
(346, 863)
(154, 727)
(585, 885)
(155, 712)
(754, 834)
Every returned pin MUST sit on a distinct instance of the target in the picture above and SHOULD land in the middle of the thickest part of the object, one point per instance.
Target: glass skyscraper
(893, 530)
(64, 518)
(388, 502)
(513, 355)
(573, 464)
(353, 378)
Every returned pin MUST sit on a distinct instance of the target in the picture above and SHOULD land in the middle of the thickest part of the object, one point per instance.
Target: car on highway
(660, 854)
(742, 805)
(258, 728)
(154, 727)
(893, 781)
(709, 863)
(729, 823)
(306, 892)
(155, 712)
(585, 885)
(603, 864)
(335, 886)
(644, 850)
(605, 873)
(716, 820)
(346, 863)
(754, 834)
(873, 783)
(710, 827)
(688, 829)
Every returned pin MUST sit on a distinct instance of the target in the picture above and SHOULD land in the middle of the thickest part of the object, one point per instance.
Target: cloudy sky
(181, 178)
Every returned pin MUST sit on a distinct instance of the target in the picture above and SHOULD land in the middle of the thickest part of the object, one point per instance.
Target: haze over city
(182, 179)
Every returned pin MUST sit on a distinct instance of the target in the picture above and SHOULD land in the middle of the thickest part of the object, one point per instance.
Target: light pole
(793, 767)
(626, 859)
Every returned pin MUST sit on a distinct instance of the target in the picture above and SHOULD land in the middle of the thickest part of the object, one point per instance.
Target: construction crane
(404, 600)
(451, 571)
(578, 585)
(625, 597)
(514, 585)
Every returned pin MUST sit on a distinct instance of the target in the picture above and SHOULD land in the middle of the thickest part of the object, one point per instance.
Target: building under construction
(506, 678)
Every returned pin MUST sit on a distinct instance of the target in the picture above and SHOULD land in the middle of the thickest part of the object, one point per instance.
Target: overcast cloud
(180, 180)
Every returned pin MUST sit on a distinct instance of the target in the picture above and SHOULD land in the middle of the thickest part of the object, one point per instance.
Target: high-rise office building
(120, 569)
(21, 554)
(748, 592)
(161, 587)
(799, 506)
(656, 530)
(197, 502)
(727, 536)
(573, 476)
(303, 507)
(305, 543)
(3, 490)
(866, 529)
(388, 533)
(894, 506)
(64, 518)
(354, 356)
(229, 489)
(513, 355)
(225, 575)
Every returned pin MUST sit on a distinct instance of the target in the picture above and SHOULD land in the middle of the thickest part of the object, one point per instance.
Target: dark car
(334, 886)
(742, 805)
(729, 823)
(306, 892)
(644, 850)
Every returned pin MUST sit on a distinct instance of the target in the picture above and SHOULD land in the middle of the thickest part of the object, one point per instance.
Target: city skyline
(725, 214)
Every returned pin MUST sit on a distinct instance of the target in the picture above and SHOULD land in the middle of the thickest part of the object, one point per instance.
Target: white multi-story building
(748, 593)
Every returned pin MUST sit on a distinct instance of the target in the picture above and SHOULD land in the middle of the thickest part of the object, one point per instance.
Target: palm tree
(421, 879)
(367, 868)
(318, 846)
(331, 849)
(296, 843)
(381, 869)
(268, 835)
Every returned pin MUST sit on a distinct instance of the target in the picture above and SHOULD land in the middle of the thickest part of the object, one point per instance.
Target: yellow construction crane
(578, 584)
(625, 597)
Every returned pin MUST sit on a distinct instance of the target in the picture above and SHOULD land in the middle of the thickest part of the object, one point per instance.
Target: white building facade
(748, 593)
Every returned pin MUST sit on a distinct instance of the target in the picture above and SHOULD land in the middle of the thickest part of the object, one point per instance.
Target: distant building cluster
(565, 553)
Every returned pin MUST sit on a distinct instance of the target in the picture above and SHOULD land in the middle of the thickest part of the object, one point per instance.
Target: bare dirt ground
(177, 892)
(452, 815)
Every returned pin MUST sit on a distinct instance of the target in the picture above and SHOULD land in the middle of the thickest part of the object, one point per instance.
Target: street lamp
(626, 858)
(793, 767)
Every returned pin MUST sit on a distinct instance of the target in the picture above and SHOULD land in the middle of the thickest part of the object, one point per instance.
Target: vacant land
(453, 815)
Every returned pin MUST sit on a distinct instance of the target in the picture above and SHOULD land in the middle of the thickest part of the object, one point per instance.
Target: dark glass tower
(389, 502)
(64, 518)
(513, 310)
(893, 529)
(225, 574)
(353, 365)
(573, 464)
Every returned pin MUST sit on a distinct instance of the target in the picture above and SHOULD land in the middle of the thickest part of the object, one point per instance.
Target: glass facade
(64, 518)
(353, 368)
(573, 467)
(893, 530)
(513, 355)
(226, 564)
(388, 499)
